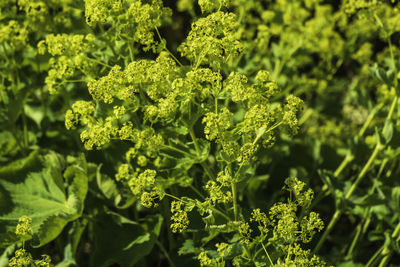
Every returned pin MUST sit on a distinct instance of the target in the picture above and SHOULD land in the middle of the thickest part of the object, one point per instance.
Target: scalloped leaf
(43, 197)
(122, 241)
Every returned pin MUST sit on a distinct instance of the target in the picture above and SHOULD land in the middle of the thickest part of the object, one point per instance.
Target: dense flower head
(98, 11)
(24, 227)
(14, 34)
(303, 197)
(245, 231)
(215, 125)
(212, 40)
(208, 6)
(296, 256)
(144, 185)
(64, 44)
(107, 87)
(135, 18)
(21, 258)
(179, 218)
(294, 104)
(147, 16)
(69, 55)
(284, 220)
(236, 84)
(99, 134)
(310, 225)
(217, 192)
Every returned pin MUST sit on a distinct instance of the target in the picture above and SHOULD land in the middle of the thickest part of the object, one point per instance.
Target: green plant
(150, 132)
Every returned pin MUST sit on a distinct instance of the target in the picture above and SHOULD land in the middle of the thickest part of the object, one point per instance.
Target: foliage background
(340, 57)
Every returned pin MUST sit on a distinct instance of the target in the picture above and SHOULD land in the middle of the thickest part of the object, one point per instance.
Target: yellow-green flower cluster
(208, 6)
(69, 54)
(282, 229)
(353, 6)
(24, 229)
(302, 197)
(22, 258)
(146, 18)
(137, 19)
(115, 84)
(223, 250)
(64, 44)
(245, 231)
(99, 11)
(179, 218)
(296, 256)
(98, 134)
(215, 125)
(262, 220)
(47, 15)
(285, 223)
(213, 40)
(36, 11)
(44, 262)
(81, 111)
(144, 185)
(287, 227)
(14, 34)
(294, 104)
(236, 85)
(204, 82)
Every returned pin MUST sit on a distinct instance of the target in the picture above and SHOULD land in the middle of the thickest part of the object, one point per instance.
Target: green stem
(349, 158)
(176, 198)
(266, 252)
(165, 252)
(196, 146)
(196, 191)
(354, 242)
(25, 129)
(99, 62)
(392, 108)
(176, 149)
(338, 213)
(369, 119)
(131, 51)
(364, 171)
(277, 70)
(234, 195)
(357, 236)
(374, 257)
(166, 49)
(213, 209)
(327, 231)
(387, 252)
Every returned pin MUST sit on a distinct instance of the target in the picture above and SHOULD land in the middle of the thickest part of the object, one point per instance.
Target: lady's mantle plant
(194, 130)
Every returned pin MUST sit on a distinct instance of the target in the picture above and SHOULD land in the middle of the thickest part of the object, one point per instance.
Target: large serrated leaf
(120, 240)
(42, 196)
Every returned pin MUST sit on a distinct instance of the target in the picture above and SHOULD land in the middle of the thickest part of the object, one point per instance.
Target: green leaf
(204, 147)
(41, 196)
(8, 145)
(35, 113)
(122, 241)
(350, 264)
(188, 248)
(388, 131)
(382, 75)
(106, 185)
(6, 255)
(68, 258)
